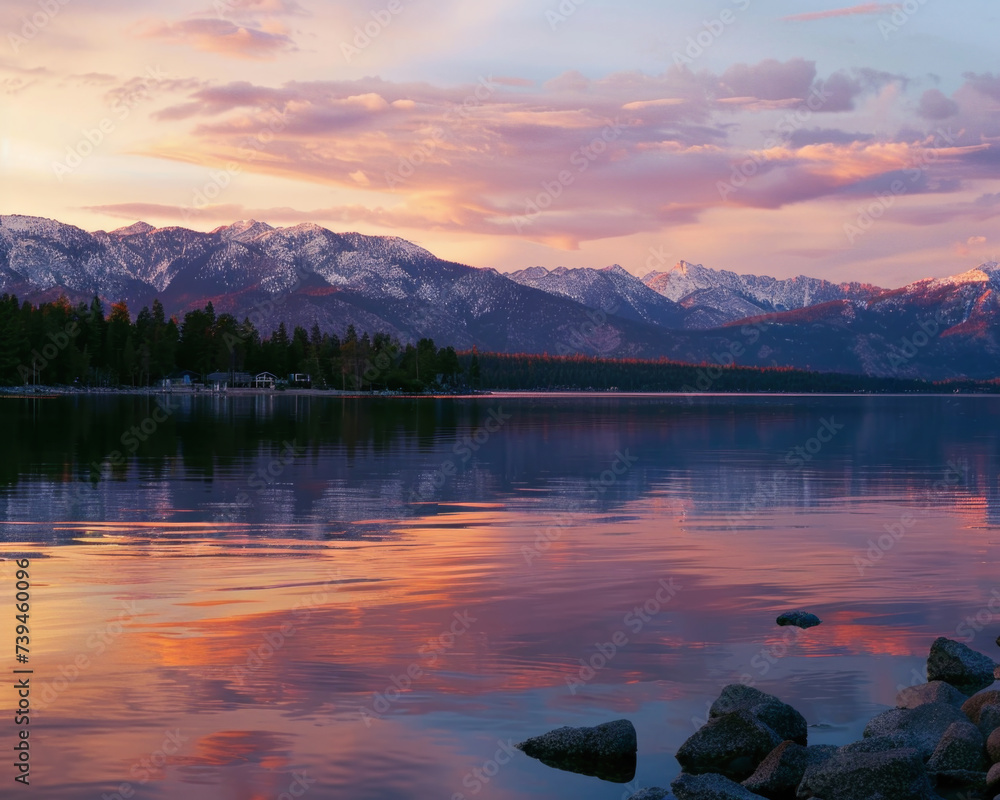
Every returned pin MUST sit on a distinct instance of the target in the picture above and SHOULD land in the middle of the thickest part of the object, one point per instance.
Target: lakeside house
(184, 377)
(220, 381)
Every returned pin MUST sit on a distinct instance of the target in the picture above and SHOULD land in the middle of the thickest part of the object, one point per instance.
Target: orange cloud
(222, 37)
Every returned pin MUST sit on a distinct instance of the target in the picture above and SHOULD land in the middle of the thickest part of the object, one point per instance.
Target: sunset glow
(520, 133)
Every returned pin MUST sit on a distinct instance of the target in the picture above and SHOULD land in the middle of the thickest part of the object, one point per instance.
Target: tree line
(525, 372)
(57, 343)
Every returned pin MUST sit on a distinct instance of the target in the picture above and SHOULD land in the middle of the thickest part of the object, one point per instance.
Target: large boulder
(733, 745)
(868, 776)
(710, 787)
(881, 744)
(957, 664)
(800, 619)
(973, 707)
(780, 717)
(960, 749)
(606, 751)
(933, 692)
(924, 725)
(993, 778)
(989, 719)
(993, 747)
(781, 772)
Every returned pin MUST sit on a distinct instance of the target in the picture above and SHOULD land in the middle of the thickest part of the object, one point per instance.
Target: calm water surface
(232, 607)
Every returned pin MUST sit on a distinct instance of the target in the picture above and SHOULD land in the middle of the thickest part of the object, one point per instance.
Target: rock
(868, 776)
(933, 692)
(733, 745)
(993, 747)
(653, 793)
(962, 780)
(781, 772)
(710, 787)
(881, 744)
(606, 751)
(780, 717)
(801, 619)
(955, 663)
(821, 752)
(974, 705)
(993, 778)
(989, 720)
(961, 748)
(925, 724)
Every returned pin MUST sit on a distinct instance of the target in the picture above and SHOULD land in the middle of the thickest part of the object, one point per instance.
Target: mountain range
(306, 274)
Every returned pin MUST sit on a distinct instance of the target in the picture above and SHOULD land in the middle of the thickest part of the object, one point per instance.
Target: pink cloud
(222, 37)
(472, 158)
(864, 8)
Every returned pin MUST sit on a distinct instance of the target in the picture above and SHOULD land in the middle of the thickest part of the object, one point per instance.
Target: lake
(258, 596)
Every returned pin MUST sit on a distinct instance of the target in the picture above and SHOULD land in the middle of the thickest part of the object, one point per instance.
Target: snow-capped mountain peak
(243, 231)
(725, 296)
(136, 228)
(984, 273)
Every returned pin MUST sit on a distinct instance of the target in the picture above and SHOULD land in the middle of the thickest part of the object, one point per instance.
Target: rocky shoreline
(940, 742)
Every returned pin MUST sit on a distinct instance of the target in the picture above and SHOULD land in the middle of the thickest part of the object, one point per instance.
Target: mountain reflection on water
(375, 594)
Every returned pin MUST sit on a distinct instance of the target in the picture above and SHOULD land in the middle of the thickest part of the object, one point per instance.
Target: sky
(777, 137)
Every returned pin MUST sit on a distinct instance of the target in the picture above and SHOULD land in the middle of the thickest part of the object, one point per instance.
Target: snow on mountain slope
(612, 290)
(731, 296)
(306, 274)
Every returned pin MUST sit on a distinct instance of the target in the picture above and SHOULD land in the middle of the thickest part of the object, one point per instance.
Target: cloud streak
(221, 37)
(636, 152)
(864, 8)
